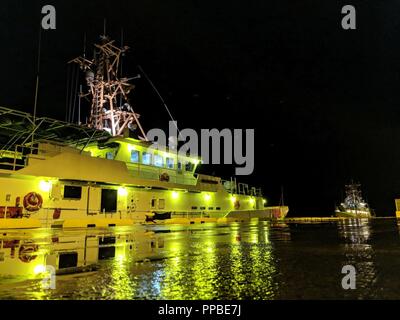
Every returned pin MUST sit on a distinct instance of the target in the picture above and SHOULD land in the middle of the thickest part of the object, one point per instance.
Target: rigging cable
(75, 95)
(67, 93)
(161, 98)
(71, 79)
(37, 84)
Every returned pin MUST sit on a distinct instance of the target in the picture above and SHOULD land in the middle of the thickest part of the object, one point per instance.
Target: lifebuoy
(25, 252)
(33, 201)
(164, 177)
(237, 204)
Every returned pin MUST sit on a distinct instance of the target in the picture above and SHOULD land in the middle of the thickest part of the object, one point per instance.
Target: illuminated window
(170, 163)
(134, 156)
(110, 155)
(161, 203)
(158, 161)
(146, 158)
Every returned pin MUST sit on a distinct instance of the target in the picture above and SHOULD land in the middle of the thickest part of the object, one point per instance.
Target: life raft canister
(237, 204)
(33, 201)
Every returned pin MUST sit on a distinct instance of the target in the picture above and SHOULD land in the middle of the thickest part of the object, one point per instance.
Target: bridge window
(158, 161)
(134, 156)
(146, 158)
(170, 163)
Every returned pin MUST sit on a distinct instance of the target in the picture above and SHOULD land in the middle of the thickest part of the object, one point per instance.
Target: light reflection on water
(251, 260)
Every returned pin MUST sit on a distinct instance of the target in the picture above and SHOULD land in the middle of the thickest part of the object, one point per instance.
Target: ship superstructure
(58, 174)
(353, 205)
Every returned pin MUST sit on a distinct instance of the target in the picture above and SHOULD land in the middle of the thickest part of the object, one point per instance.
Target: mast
(37, 85)
(353, 196)
(110, 109)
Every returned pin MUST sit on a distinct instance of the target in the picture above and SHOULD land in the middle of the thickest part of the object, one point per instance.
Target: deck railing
(234, 187)
(143, 171)
(18, 159)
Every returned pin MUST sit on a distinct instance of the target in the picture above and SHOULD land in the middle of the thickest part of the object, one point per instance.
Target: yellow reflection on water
(192, 272)
(252, 266)
(199, 262)
(121, 284)
(263, 270)
(171, 288)
(236, 270)
(205, 271)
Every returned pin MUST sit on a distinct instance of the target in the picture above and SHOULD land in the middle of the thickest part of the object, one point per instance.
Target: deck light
(39, 269)
(175, 195)
(45, 186)
(122, 191)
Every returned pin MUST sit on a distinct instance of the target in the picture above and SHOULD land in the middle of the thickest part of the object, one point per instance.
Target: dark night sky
(324, 101)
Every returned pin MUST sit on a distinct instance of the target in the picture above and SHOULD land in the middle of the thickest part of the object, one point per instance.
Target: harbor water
(247, 260)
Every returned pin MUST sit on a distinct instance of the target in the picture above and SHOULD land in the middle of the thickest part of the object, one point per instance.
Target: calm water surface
(251, 260)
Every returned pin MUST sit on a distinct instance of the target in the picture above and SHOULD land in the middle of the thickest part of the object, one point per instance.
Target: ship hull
(347, 214)
(273, 213)
(93, 207)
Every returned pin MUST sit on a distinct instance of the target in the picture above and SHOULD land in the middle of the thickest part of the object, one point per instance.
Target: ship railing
(233, 187)
(19, 158)
(170, 175)
(26, 153)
